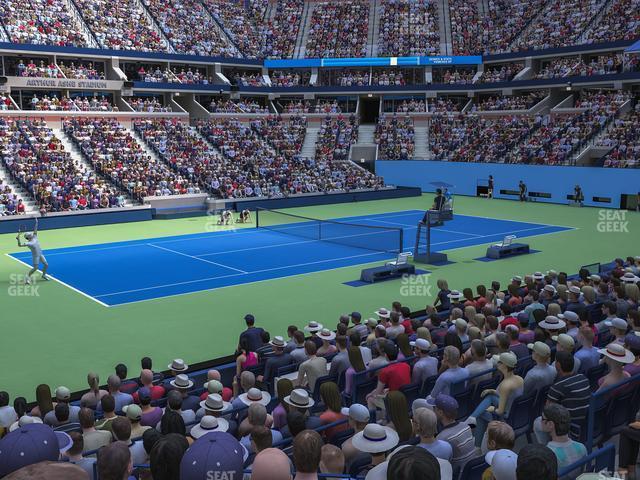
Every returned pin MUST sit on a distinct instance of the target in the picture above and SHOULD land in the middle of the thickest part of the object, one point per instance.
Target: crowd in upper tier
(345, 28)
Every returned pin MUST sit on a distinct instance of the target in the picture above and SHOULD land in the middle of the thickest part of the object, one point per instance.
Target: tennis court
(284, 245)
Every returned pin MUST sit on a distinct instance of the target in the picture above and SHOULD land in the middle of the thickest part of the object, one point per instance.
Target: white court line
(197, 258)
(408, 227)
(62, 283)
(295, 274)
(239, 274)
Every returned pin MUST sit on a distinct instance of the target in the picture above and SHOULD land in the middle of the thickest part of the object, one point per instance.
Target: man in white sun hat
(301, 402)
(208, 424)
(375, 440)
(552, 323)
(359, 417)
(572, 319)
(277, 360)
(176, 367)
(616, 357)
(574, 301)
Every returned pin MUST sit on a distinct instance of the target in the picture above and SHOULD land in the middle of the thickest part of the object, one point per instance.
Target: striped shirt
(459, 436)
(573, 393)
(568, 453)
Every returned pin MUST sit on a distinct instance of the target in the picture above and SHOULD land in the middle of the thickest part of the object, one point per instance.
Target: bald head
(271, 464)
(213, 375)
(146, 377)
(257, 414)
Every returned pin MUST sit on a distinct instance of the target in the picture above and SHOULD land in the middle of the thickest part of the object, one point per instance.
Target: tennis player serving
(33, 244)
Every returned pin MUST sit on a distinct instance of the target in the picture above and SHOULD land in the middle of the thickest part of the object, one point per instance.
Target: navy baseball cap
(144, 394)
(27, 445)
(356, 315)
(249, 318)
(447, 404)
(214, 455)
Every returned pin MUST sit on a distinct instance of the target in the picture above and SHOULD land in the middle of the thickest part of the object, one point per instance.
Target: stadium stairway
(154, 24)
(308, 149)
(303, 32)
(373, 34)
(421, 140)
(366, 134)
(80, 159)
(5, 179)
(604, 9)
(88, 34)
(444, 25)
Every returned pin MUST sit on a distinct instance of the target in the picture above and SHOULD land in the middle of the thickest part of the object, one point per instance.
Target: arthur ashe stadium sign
(64, 83)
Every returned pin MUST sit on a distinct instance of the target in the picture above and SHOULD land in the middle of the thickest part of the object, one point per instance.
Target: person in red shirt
(146, 379)
(390, 378)
(406, 322)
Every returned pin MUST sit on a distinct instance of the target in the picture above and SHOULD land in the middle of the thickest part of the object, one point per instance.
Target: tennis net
(382, 239)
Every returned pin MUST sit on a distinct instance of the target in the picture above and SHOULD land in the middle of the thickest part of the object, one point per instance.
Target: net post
(401, 241)
(257, 217)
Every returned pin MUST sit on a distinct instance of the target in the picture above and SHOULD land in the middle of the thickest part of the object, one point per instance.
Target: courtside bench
(386, 272)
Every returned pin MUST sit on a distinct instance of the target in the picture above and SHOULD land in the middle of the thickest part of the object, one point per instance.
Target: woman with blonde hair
(469, 313)
(561, 290)
(404, 348)
(633, 293)
(479, 321)
(94, 395)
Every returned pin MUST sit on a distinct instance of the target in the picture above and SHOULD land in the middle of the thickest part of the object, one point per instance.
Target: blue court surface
(133, 271)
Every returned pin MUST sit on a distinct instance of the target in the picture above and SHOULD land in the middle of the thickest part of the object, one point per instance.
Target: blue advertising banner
(375, 62)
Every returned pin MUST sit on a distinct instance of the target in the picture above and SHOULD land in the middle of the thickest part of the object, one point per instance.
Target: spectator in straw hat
(616, 357)
(375, 440)
(279, 359)
(301, 402)
(182, 384)
(176, 367)
(208, 424)
(327, 348)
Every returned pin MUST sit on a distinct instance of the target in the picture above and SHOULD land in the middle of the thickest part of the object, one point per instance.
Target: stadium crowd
(115, 154)
(408, 28)
(514, 102)
(243, 22)
(338, 29)
(121, 25)
(45, 22)
(624, 138)
(281, 78)
(281, 32)
(395, 138)
(147, 104)
(221, 105)
(37, 160)
(501, 73)
(429, 395)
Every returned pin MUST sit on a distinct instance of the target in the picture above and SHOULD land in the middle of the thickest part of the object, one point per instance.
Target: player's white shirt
(34, 246)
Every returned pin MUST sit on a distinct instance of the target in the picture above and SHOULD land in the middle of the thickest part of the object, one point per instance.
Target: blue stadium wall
(556, 181)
